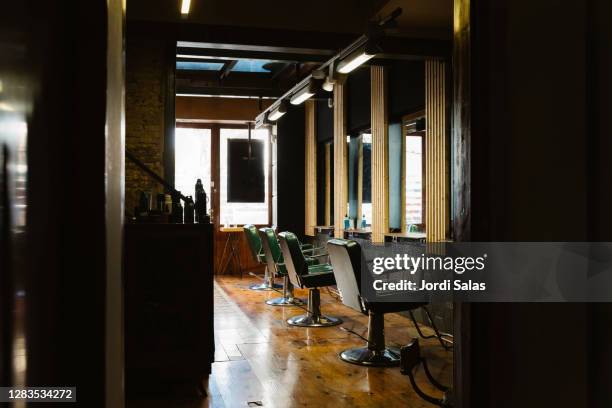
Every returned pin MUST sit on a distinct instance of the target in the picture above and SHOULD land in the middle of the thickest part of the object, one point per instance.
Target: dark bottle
(176, 216)
(143, 204)
(200, 203)
(189, 210)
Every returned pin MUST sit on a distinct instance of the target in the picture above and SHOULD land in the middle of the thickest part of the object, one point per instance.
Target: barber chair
(258, 255)
(347, 261)
(305, 272)
(276, 263)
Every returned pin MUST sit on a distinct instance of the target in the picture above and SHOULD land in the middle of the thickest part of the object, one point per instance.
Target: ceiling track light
(303, 93)
(185, 6)
(361, 50)
(357, 58)
(277, 112)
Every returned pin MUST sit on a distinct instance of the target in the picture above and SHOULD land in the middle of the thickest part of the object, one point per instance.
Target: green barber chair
(258, 256)
(276, 263)
(305, 273)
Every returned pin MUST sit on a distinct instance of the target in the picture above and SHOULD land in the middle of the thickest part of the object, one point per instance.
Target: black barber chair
(305, 272)
(346, 259)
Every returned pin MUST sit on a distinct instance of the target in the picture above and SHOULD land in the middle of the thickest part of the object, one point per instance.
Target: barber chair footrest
(314, 321)
(389, 357)
(283, 301)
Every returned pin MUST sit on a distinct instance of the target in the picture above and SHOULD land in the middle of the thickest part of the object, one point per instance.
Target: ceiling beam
(184, 89)
(196, 53)
(227, 68)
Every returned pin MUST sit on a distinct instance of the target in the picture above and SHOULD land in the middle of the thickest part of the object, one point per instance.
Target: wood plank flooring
(260, 361)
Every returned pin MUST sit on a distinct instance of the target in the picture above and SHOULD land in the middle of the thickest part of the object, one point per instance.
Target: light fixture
(185, 4)
(328, 84)
(357, 57)
(277, 112)
(304, 93)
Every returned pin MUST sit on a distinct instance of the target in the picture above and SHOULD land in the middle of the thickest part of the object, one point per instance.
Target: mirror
(360, 180)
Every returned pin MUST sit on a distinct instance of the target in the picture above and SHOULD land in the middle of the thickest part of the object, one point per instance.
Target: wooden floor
(262, 362)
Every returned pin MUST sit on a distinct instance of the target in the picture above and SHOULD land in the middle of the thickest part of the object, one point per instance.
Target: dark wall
(325, 120)
(406, 86)
(290, 171)
(599, 129)
(523, 173)
(358, 100)
(57, 73)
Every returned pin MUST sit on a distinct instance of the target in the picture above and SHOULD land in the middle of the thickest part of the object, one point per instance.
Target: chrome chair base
(388, 357)
(314, 318)
(265, 286)
(284, 301)
(268, 283)
(314, 321)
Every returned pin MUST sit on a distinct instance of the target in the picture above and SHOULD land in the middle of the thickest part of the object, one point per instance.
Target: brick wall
(144, 115)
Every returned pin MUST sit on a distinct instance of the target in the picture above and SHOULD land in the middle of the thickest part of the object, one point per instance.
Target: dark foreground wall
(528, 132)
(61, 69)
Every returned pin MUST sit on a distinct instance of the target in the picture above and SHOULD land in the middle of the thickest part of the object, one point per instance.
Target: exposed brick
(144, 115)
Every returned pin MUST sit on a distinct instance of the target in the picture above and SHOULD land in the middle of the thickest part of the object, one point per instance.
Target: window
(240, 212)
(414, 180)
(192, 160)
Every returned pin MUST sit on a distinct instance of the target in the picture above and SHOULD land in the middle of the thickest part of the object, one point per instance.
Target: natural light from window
(192, 160)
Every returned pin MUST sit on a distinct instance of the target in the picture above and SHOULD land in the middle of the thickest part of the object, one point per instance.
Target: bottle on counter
(189, 210)
(200, 203)
(347, 222)
(177, 210)
(364, 223)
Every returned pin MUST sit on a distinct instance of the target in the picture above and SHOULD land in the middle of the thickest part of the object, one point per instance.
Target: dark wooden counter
(168, 305)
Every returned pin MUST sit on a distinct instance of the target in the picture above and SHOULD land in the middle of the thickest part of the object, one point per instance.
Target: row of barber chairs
(298, 264)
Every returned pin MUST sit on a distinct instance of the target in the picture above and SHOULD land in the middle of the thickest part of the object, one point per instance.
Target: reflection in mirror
(359, 170)
(415, 175)
(366, 178)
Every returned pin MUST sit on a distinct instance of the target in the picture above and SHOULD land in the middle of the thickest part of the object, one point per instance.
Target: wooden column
(380, 154)
(310, 173)
(436, 153)
(340, 160)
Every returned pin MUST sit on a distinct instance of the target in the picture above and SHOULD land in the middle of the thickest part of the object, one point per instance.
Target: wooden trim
(328, 199)
(215, 173)
(310, 173)
(437, 174)
(380, 154)
(270, 180)
(340, 160)
(169, 120)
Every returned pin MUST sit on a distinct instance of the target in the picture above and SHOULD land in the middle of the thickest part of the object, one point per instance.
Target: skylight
(199, 66)
(249, 65)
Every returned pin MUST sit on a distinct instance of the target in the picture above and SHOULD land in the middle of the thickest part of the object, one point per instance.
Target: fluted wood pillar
(437, 174)
(340, 160)
(310, 173)
(380, 154)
